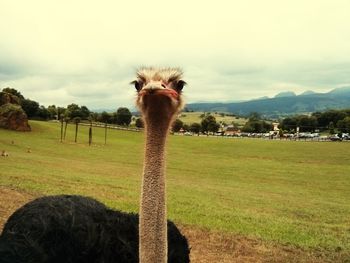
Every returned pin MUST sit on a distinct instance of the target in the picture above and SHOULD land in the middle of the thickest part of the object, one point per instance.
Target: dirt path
(206, 246)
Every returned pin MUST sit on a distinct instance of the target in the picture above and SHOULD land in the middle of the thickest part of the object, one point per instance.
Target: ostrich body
(77, 229)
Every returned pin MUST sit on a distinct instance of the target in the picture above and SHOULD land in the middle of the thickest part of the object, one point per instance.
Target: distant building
(275, 126)
(231, 130)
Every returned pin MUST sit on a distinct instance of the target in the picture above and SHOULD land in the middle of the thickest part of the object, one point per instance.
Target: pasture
(285, 200)
(192, 117)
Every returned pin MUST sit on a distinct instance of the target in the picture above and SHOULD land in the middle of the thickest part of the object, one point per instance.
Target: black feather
(77, 229)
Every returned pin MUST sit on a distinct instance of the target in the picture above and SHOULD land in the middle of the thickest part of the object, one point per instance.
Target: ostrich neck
(153, 222)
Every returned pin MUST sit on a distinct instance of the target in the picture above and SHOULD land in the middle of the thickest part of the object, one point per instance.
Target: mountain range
(283, 104)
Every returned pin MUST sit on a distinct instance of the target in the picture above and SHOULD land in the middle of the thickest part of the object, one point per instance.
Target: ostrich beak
(158, 88)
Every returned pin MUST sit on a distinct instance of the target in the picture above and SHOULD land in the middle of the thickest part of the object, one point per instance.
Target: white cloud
(86, 52)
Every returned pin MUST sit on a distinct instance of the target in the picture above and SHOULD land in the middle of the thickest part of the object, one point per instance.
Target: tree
(213, 127)
(331, 127)
(252, 126)
(344, 125)
(235, 125)
(14, 92)
(177, 125)
(139, 123)
(254, 116)
(73, 111)
(85, 112)
(307, 123)
(280, 133)
(43, 113)
(53, 112)
(258, 126)
(113, 118)
(61, 112)
(195, 128)
(104, 117)
(94, 116)
(206, 122)
(289, 124)
(326, 117)
(30, 107)
(123, 116)
(186, 127)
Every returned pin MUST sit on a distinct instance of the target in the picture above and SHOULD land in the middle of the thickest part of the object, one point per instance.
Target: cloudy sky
(86, 52)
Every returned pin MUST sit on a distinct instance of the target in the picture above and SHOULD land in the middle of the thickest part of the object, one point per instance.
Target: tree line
(332, 120)
(255, 124)
(73, 112)
(207, 125)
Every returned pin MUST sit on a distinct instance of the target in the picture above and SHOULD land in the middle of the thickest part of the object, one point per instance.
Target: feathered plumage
(77, 229)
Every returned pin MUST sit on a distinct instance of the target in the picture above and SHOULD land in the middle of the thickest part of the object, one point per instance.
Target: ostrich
(77, 229)
(159, 100)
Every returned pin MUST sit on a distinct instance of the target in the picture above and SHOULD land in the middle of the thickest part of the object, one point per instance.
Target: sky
(87, 52)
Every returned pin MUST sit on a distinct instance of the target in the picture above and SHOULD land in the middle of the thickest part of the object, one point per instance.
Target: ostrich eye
(137, 84)
(180, 85)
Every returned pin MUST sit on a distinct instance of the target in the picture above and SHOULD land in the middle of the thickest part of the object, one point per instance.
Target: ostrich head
(159, 92)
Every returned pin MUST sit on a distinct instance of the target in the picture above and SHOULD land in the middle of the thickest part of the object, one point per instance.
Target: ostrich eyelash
(180, 85)
(137, 84)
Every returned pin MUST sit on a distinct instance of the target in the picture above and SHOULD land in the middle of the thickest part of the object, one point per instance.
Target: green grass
(282, 191)
(192, 117)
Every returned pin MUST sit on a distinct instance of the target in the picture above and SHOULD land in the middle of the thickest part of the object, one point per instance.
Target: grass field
(192, 117)
(281, 192)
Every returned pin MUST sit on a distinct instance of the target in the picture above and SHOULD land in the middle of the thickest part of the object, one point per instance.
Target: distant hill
(340, 91)
(308, 92)
(282, 105)
(262, 98)
(285, 94)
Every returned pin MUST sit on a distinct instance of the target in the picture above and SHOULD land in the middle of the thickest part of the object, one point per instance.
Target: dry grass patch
(10, 200)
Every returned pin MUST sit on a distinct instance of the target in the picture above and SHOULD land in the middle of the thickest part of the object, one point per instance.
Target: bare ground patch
(208, 246)
(10, 200)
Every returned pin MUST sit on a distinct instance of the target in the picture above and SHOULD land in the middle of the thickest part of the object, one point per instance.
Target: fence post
(90, 134)
(61, 129)
(65, 128)
(76, 131)
(105, 133)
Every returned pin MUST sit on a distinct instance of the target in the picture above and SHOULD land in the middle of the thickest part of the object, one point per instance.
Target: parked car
(335, 138)
(345, 136)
